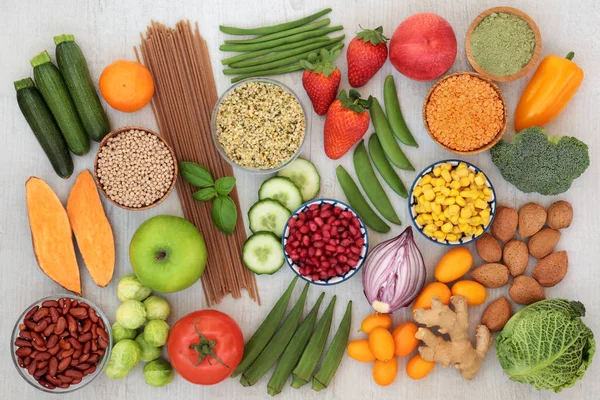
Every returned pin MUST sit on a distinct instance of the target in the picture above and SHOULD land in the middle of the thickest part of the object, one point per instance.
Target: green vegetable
(158, 373)
(157, 308)
(195, 174)
(394, 114)
(547, 345)
(283, 190)
(262, 253)
(267, 72)
(371, 185)
(42, 123)
(265, 30)
(124, 356)
(279, 49)
(265, 38)
(385, 168)
(384, 133)
(277, 345)
(156, 332)
(279, 42)
(305, 176)
(294, 350)
(224, 214)
(131, 314)
(312, 353)
(265, 331)
(225, 185)
(334, 354)
(130, 288)
(76, 74)
(358, 202)
(148, 353)
(535, 162)
(119, 332)
(54, 91)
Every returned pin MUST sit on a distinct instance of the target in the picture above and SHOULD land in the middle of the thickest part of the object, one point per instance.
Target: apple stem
(203, 349)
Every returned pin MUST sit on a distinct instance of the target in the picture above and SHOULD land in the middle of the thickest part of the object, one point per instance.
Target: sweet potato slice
(92, 229)
(51, 235)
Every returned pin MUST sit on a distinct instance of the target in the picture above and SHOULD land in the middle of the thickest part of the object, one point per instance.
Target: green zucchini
(42, 123)
(76, 74)
(54, 91)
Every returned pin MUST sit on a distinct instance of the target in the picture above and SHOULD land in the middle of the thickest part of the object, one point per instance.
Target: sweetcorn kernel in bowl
(452, 202)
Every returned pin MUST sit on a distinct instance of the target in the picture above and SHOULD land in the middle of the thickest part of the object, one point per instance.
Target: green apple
(167, 253)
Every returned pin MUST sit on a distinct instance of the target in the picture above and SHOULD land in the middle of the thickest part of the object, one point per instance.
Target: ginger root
(459, 349)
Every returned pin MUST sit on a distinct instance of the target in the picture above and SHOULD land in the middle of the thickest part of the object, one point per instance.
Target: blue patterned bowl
(336, 279)
(413, 202)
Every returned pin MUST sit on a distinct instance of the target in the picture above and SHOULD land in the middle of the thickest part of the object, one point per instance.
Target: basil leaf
(205, 194)
(196, 174)
(224, 214)
(225, 185)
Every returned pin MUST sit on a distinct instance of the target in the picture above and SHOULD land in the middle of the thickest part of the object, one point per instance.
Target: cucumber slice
(305, 176)
(262, 253)
(283, 190)
(268, 215)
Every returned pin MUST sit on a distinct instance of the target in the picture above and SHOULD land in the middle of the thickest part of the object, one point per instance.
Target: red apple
(423, 47)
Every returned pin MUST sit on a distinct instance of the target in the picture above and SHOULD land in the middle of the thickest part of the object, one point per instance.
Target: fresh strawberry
(346, 123)
(321, 79)
(366, 54)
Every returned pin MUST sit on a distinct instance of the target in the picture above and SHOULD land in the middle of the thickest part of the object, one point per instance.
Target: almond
(525, 290)
(551, 269)
(497, 314)
(560, 215)
(505, 223)
(516, 257)
(532, 218)
(543, 243)
(492, 275)
(488, 248)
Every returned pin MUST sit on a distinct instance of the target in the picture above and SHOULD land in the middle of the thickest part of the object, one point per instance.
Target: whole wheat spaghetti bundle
(185, 94)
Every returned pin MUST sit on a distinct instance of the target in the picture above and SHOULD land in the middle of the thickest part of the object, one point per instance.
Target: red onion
(394, 273)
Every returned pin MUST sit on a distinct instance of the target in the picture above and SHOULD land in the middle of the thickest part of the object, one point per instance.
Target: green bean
(257, 53)
(267, 72)
(265, 30)
(358, 202)
(384, 167)
(265, 331)
(294, 350)
(386, 137)
(272, 36)
(277, 345)
(280, 41)
(371, 185)
(335, 352)
(312, 353)
(315, 47)
(394, 114)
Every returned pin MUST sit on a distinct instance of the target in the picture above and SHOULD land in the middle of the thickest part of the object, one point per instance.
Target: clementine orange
(126, 85)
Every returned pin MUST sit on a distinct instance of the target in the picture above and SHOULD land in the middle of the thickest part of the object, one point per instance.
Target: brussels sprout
(119, 332)
(131, 314)
(158, 373)
(130, 288)
(149, 353)
(157, 308)
(156, 332)
(124, 356)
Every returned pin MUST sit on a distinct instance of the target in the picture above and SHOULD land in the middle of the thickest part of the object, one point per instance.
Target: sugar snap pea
(384, 167)
(265, 30)
(283, 47)
(277, 35)
(358, 202)
(394, 114)
(280, 41)
(370, 184)
(386, 137)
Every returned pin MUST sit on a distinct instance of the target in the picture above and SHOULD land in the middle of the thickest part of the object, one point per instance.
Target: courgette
(54, 91)
(42, 123)
(74, 70)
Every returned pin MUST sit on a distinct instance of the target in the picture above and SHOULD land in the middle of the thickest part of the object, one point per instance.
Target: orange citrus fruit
(126, 85)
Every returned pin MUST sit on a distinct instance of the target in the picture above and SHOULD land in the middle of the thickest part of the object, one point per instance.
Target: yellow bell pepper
(553, 85)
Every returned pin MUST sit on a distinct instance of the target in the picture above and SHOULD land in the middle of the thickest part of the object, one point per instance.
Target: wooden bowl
(486, 147)
(534, 58)
(139, 128)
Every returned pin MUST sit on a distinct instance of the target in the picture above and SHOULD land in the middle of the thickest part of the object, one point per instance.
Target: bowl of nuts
(135, 168)
(61, 343)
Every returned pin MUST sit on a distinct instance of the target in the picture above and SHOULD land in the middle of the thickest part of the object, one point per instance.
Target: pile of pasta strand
(185, 94)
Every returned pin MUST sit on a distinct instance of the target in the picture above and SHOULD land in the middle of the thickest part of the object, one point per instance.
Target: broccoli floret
(536, 162)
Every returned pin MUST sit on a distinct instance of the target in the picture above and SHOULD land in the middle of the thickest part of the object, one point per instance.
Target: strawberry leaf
(322, 63)
(374, 36)
(354, 102)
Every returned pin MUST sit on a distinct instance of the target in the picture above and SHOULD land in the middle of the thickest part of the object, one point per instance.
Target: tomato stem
(203, 349)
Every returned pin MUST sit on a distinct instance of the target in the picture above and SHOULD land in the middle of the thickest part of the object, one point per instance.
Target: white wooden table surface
(107, 30)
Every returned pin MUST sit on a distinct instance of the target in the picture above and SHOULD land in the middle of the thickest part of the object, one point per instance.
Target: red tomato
(205, 346)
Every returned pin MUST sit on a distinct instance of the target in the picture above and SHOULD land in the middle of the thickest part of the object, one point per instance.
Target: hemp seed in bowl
(259, 125)
(135, 168)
